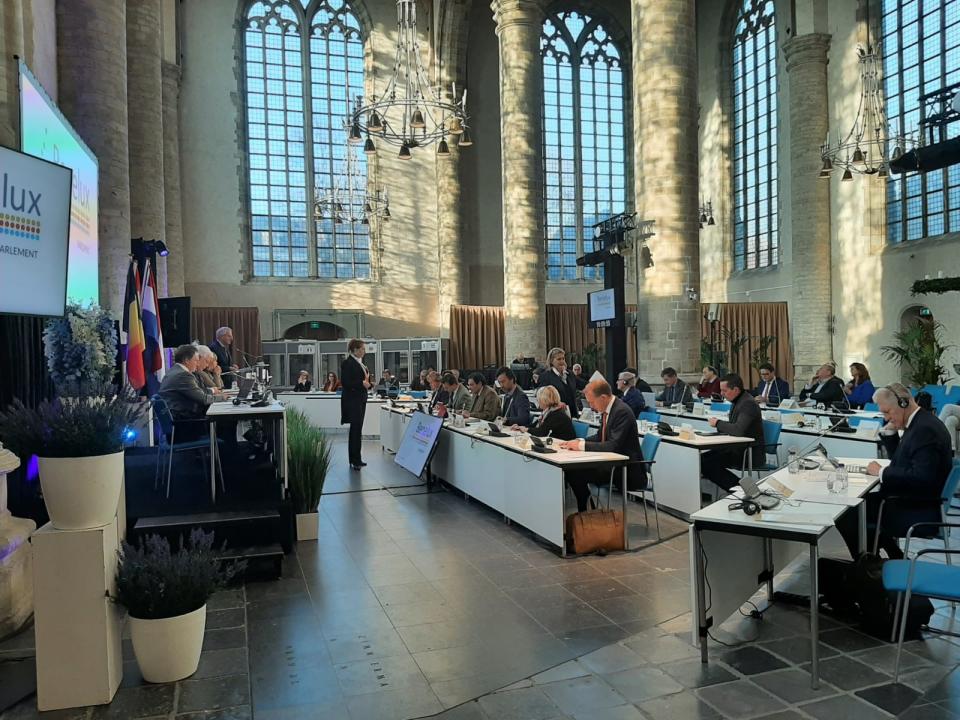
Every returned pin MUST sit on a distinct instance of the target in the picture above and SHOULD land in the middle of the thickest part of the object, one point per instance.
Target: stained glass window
(756, 235)
(584, 151)
(303, 67)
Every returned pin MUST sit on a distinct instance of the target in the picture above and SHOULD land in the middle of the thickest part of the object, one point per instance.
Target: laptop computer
(245, 386)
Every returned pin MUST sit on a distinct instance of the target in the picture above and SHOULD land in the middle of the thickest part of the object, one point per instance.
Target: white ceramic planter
(81, 493)
(168, 649)
(308, 526)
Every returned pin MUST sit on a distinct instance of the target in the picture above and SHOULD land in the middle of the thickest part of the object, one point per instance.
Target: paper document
(796, 518)
(826, 499)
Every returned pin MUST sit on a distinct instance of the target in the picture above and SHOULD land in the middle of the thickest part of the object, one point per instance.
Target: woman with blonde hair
(554, 418)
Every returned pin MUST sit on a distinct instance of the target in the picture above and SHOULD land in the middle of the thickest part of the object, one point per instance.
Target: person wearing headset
(918, 445)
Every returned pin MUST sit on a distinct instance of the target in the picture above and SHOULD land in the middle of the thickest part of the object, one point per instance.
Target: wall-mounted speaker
(175, 321)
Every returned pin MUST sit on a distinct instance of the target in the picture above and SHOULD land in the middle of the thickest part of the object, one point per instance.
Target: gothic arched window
(920, 42)
(303, 68)
(756, 235)
(584, 150)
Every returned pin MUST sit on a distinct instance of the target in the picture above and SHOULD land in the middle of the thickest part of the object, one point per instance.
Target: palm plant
(308, 453)
(919, 352)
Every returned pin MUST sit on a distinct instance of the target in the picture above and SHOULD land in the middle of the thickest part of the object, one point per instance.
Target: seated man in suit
(617, 434)
(918, 445)
(825, 387)
(515, 405)
(745, 421)
(565, 383)
(457, 396)
(483, 403)
(437, 393)
(631, 396)
(675, 390)
(222, 349)
(185, 397)
(772, 389)
(388, 385)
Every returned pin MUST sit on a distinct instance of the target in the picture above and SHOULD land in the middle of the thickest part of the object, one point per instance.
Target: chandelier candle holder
(870, 145)
(705, 216)
(410, 112)
(352, 199)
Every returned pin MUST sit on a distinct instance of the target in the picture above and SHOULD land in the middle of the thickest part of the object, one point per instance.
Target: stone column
(145, 113)
(811, 305)
(452, 289)
(92, 68)
(524, 282)
(172, 209)
(11, 43)
(666, 180)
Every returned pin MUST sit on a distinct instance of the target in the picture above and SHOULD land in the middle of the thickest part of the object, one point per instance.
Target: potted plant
(308, 453)
(81, 350)
(919, 353)
(165, 595)
(79, 444)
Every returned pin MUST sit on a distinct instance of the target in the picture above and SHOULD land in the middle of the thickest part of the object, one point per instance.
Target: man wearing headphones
(921, 459)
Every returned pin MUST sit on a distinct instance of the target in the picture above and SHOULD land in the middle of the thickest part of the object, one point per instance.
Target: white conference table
(323, 410)
(274, 411)
(735, 554)
(524, 486)
(838, 444)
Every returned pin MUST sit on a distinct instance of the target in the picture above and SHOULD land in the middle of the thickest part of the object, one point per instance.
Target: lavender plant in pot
(79, 444)
(165, 594)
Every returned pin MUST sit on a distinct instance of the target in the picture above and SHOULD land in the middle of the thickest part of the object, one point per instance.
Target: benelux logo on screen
(19, 211)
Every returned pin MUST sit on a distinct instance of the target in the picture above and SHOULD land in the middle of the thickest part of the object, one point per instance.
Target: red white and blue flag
(153, 354)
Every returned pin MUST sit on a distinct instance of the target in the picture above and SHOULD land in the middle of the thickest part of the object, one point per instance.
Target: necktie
(603, 428)
(766, 390)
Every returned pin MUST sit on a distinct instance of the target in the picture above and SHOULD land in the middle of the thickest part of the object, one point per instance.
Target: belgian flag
(133, 327)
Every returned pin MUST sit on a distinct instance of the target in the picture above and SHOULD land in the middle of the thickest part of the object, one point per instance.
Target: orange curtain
(567, 328)
(476, 336)
(738, 333)
(244, 321)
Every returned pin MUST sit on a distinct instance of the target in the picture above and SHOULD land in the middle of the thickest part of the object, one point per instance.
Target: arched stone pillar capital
(805, 49)
(507, 13)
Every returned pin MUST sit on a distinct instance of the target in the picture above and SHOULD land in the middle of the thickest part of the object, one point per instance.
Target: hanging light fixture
(871, 143)
(352, 198)
(705, 216)
(410, 112)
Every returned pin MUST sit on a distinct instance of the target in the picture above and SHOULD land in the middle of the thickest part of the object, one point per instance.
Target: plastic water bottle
(793, 461)
(842, 482)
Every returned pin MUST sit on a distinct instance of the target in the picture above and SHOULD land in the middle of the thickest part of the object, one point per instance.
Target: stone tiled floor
(413, 605)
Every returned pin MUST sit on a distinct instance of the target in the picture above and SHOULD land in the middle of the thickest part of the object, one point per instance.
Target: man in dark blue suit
(514, 405)
(772, 389)
(920, 461)
(221, 348)
(617, 434)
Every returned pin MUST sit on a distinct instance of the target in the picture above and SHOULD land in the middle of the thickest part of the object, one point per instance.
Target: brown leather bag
(594, 530)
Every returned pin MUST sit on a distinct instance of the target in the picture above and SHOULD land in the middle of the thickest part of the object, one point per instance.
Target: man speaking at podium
(221, 348)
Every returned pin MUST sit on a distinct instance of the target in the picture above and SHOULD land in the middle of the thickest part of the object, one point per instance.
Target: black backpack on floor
(857, 588)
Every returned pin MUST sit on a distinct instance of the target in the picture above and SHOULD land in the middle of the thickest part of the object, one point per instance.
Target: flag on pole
(133, 327)
(153, 361)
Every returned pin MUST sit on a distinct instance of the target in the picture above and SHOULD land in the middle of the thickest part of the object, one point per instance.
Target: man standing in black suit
(617, 434)
(563, 381)
(221, 348)
(921, 458)
(745, 420)
(355, 381)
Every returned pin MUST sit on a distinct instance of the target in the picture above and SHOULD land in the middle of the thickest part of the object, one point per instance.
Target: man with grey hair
(626, 384)
(222, 349)
(918, 445)
(556, 374)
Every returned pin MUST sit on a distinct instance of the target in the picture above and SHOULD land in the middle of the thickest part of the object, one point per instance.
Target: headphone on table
(748, 506)
(902, 401)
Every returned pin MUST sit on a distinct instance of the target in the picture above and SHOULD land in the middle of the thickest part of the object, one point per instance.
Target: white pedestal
(79, 658)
